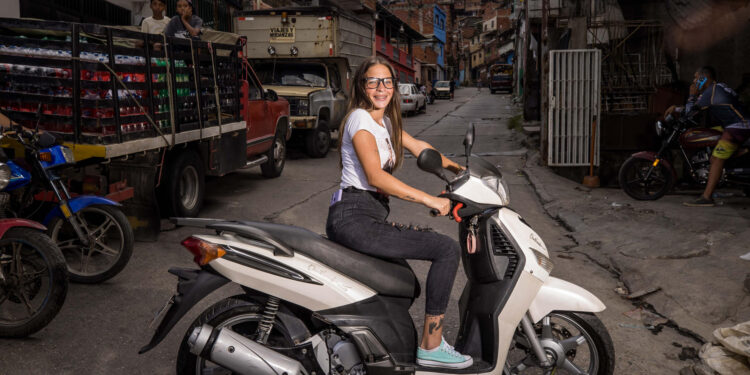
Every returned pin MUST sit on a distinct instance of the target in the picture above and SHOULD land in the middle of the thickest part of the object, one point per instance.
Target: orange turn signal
(45, 156)
(203, 251)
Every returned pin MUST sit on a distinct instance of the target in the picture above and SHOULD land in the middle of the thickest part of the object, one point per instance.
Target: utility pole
(525, 63)
(543, 94)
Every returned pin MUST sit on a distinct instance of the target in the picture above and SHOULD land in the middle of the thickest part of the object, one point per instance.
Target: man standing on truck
(157, 22)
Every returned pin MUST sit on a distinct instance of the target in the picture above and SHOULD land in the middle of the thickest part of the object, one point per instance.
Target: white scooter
(312, 306)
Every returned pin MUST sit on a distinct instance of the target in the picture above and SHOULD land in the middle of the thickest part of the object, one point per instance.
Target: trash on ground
(735, 339)
(688, 352)
(621, 290)
(723, 361)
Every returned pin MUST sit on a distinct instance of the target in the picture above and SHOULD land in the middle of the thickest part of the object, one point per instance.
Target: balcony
(394, 54)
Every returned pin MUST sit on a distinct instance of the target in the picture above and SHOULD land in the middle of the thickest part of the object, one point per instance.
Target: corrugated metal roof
(689, 14)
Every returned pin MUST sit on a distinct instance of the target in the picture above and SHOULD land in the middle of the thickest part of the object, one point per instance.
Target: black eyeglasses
(373, 83)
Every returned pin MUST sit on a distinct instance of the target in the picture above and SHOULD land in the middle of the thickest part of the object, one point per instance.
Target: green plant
(516, 123)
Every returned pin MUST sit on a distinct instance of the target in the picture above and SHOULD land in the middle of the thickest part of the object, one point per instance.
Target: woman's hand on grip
(443, 205)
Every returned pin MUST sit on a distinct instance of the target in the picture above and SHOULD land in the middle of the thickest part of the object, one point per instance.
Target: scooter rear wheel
(239, 313)
(578, 343)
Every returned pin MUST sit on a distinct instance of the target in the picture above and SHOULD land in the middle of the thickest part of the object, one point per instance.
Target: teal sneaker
(443, 356)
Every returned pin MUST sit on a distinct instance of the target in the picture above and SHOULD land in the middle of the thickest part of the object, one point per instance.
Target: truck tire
(185, 185)
(276, 156)
(318, 140)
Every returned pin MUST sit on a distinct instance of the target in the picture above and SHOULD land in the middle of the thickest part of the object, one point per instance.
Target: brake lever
(452, 214)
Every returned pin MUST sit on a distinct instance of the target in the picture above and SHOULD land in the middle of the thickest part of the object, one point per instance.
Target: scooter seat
(390, 277)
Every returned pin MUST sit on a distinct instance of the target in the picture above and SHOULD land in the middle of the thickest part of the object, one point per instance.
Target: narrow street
(101, 327)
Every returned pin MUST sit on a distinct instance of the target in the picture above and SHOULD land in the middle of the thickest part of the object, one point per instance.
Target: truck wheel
(185, 185)
(318, 141)
(276, 157)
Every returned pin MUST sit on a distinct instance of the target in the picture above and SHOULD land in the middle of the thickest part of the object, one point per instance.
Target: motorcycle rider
(372, 142)
(723, 107)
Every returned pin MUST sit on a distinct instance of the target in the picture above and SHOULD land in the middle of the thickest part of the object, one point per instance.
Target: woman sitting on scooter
(372, 143)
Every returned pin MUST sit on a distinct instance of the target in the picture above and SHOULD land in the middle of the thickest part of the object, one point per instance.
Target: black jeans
(358, 221)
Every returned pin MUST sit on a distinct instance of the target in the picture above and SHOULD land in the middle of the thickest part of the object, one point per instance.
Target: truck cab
(316, 94)
(306, 55)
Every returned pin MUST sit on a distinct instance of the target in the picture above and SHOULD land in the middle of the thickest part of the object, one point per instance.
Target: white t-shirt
(152, 26)
(352, 173)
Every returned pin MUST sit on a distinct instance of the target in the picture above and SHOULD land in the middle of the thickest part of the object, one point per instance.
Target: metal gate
(574, 104)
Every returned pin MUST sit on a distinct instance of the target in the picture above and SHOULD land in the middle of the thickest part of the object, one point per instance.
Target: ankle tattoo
(434, 326)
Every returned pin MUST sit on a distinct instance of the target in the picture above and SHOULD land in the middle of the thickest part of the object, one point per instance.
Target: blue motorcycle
(92, 232)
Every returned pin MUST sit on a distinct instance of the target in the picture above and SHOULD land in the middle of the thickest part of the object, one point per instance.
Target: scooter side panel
(560, 295)
(508, 320)
(527, 240)
(389, 320)
(331, 290)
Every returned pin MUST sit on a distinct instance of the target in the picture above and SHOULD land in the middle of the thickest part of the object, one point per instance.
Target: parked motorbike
(33, 278)
(648, 175)
(313, 306)
(92, 232)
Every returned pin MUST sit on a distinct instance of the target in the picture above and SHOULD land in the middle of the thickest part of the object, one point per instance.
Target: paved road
(101, 327)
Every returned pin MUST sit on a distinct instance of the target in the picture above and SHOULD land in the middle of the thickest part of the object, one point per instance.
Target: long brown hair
(358, 99)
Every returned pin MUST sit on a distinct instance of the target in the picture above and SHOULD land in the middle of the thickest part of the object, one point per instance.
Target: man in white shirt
(156, 23)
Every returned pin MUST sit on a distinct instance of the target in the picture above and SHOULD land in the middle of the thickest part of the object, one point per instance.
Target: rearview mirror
(469, 141)
(430, 160)
(271, 95)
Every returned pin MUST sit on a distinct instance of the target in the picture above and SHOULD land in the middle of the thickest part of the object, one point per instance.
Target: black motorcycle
(648, 175)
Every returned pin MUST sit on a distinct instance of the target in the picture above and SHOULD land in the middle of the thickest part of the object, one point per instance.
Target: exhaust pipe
(240, 354)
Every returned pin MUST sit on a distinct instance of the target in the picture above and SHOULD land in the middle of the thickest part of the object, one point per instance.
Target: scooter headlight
(500, 186)
(5, 174)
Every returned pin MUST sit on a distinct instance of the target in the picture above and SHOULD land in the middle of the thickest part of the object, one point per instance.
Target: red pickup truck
(268, 125)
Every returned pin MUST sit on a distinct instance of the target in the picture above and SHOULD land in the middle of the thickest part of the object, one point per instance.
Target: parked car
(442, 90)
(501, 78)
(412, 100)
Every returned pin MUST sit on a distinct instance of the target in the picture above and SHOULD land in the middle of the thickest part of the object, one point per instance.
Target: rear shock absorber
(266, 322)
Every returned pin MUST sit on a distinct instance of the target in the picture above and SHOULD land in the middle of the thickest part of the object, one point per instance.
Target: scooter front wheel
(575, 343)
(110, 243)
